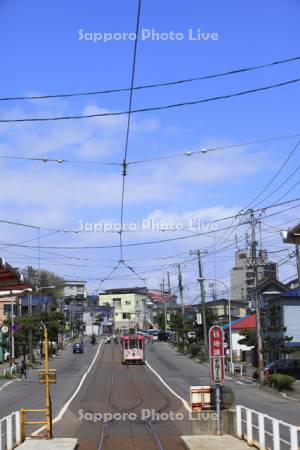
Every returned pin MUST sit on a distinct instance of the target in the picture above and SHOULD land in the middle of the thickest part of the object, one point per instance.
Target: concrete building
(92, 324)
(75, 290)
(130, 306)
(220, 308)
(242, 277)
(240, 351)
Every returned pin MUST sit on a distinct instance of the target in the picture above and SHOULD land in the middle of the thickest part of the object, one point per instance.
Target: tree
(274, 333)
(248, 337)
(41, 278)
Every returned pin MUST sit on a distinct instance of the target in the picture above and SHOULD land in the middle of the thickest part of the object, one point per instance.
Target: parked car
(191, 335)
(285, 366)
(163, 336)
(78, 347)
(154, 335)
(107, 340)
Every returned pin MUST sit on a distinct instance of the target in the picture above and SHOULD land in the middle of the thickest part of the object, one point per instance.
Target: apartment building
(129, 306)
(242, 276)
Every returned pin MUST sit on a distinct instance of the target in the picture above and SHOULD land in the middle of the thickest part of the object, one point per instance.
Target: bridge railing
(263, 431)
(10, 431)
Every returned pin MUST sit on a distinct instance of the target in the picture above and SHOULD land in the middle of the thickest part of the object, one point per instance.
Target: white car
(107, 340)
(191, 335)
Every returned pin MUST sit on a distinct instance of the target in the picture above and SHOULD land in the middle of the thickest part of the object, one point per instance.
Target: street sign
(216, 354)
(199, 319)
(4, 329)
(14, 328)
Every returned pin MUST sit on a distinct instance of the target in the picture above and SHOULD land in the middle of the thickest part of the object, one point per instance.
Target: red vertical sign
(216, 354)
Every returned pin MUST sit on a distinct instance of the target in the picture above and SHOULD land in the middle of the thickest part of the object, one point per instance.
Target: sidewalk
(224, 442)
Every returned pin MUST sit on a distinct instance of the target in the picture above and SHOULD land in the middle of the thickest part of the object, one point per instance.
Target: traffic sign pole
(217, 368)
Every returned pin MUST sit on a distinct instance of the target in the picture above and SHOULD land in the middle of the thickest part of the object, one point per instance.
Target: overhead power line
(153, 85)
(152, 108)
(136, 244)
(185, 153)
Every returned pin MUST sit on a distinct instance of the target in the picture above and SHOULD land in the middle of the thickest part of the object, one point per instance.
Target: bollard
(239, 430)
(9, 433)
(276, 436)
(249, 426)
(294, 437)
(261, 431)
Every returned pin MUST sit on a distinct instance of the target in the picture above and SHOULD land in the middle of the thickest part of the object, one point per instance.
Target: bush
(281, 382)
(193, 349)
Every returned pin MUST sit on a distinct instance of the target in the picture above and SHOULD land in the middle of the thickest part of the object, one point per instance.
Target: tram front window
(133, 343)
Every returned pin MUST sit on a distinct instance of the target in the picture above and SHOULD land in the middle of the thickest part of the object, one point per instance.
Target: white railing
(263, 431)
(13, 369)
(10, 431)
(235, 368)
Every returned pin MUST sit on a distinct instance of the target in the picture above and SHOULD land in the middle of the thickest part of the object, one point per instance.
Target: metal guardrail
(235, 368)
(10, 431)
(263, 431)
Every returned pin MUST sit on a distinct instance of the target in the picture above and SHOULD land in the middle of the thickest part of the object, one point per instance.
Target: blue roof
(291, 293)
(235, 321)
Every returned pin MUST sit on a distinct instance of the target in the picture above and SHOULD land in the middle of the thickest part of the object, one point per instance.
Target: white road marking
(67, 404)
(6, 384)
(184, 402)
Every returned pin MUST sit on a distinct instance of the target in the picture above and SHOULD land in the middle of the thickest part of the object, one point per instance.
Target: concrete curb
(51, 444)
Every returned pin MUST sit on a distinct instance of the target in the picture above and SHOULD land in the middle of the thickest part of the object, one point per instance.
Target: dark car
(163, 336)
(78, 347)
(285, 366)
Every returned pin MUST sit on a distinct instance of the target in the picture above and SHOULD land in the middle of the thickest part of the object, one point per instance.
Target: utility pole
(298, 263)
(202, 296)
(30, 329)
(254, 266)
(165, 302)
(169, 283)
(180, 290)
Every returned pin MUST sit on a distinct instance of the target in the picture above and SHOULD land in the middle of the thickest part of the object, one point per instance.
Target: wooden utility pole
(47, 388)
(254, 266)
(202, 296)
(180, 290)
(298, 262)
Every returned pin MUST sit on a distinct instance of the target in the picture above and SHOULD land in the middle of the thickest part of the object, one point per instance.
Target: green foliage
(274, 333)
(38, 277)
(249, 337)
(281, 382)
(193, 349)
(53, 320)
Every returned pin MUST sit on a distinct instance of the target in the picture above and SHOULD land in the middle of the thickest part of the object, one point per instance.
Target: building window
(117, 302)
(7, 310)
(127, 302)
(126, 316)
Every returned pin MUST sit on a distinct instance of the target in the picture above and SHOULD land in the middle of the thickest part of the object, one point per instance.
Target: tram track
(127, 410)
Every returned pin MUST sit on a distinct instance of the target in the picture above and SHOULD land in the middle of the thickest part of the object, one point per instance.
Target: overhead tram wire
(153, 85)
(153, 108)
(185, 153)
(124, 163)
(136, 244)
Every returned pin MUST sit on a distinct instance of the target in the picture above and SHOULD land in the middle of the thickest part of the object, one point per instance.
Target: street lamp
(229, 314)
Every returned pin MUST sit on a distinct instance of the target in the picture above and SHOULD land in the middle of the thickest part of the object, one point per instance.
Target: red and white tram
(133, 349)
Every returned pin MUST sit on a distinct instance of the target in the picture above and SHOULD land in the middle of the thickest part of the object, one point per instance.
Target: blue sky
(41, 54)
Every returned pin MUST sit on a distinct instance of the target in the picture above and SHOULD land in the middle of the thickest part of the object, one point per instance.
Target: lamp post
(229, 314)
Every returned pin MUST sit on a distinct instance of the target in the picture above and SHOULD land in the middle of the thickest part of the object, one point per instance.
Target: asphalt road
(29, 394)
(181, 372)
(117, 391)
